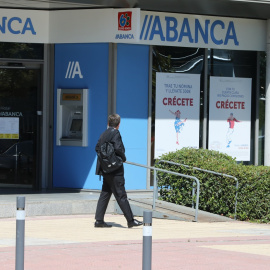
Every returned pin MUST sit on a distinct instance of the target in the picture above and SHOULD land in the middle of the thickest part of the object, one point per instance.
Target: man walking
(113, 182)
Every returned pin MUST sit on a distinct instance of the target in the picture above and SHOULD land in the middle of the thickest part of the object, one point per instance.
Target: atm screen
(76, 125)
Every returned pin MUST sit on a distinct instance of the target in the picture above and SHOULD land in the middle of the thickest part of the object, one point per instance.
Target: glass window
(174, 60)
(242, 64)
(21, 50)
(221, 63)
(262, 107)
(226, 63)
(18, 145)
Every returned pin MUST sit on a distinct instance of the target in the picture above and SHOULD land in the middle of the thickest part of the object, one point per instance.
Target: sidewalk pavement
(72, 243)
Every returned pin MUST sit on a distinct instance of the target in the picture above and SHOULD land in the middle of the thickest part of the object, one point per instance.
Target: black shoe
(134, 223)
(102, 224)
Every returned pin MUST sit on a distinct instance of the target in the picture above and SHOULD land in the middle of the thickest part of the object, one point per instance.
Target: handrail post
(154, 190)
(197, 201)
(235, 212)
(193, 194)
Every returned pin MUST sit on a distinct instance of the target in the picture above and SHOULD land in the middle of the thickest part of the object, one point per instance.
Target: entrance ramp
(166, 210)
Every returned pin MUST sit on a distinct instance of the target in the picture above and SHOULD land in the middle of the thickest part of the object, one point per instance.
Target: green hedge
(217, 193)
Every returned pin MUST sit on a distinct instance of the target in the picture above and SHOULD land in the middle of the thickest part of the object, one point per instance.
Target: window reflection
(21, 50)
(177, 59)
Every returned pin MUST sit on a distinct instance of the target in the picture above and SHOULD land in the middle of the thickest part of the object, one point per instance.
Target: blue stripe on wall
(132, 106)
(74, 167)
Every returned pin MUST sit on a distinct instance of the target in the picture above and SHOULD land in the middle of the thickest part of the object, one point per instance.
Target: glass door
(19, 125)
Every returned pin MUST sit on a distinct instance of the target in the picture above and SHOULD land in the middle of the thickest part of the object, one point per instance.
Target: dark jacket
(111, 135)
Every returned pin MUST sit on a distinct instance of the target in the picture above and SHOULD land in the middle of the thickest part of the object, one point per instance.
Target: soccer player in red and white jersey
(231, 120)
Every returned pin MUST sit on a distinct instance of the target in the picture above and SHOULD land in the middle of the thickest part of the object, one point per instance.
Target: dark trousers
(113, 184)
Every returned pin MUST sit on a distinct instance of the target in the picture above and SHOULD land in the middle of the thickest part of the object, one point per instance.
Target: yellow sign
(9, 136)
(15, 136)
(73, 97)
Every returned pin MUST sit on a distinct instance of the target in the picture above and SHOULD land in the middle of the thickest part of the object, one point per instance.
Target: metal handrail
(212, 172)
(155, 191)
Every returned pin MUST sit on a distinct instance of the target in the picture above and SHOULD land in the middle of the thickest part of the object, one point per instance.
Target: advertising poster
(9, 127)
(177, 112)
(229, 116)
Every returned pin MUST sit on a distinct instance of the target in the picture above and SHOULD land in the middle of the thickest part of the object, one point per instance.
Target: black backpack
(109, 161)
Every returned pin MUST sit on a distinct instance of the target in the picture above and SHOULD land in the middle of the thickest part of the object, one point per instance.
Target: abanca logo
(73, 69)
(124, 20)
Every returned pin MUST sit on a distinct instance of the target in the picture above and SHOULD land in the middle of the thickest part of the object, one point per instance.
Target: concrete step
(64, 203)
(80, 203)
(52, 204)
(167, 210)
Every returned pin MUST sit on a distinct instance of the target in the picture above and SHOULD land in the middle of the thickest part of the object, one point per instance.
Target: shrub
(217, 193)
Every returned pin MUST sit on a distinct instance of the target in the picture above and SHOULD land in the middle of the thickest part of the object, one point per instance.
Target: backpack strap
(106, 137)
(111, 134)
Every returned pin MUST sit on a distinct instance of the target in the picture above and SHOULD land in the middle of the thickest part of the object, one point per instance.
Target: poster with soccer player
(177, 112)
(230, 116)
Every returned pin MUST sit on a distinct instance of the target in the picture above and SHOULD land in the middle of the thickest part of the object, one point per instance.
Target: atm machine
(72, 114)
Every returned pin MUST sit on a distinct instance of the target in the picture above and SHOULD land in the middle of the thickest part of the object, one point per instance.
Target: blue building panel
(74, 167)
(132, 106)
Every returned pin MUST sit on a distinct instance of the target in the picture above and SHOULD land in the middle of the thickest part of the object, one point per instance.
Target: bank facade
(61, 77)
